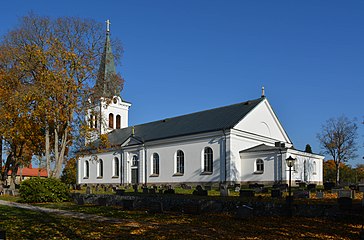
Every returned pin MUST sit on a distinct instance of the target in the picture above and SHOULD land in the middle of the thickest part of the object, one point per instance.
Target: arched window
(314, 167)
(259, 168)
(180, 162)
(86, 169)
(207, 160)
(100, 169)
(95, 121)
(134, 162)
(155, 164)
(116, 167)
(118, 121)
(111, 120)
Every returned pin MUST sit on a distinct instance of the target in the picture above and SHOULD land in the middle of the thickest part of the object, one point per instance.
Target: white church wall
(263, 122)
(307, 168)
(116, 108)
(271, 170)
(108, 176)
(192, 148)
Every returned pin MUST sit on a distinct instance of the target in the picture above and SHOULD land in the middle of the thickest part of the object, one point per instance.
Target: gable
(262, 121)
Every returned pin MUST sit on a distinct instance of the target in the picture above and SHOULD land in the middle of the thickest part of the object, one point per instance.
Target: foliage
(308, 148)
(43, 190)
(46, 69)
(69, 172)
(347, 173)
(338, 139)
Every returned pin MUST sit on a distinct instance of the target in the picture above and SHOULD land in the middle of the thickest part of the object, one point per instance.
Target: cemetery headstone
(135, 187)
(311, 186)
(346, 193)
(145, 190)
(320, 195)
(200, 191)
(328, 185)
(88, 190)
(119, 192)
(276, 193)
(301, 194)
(361, 187)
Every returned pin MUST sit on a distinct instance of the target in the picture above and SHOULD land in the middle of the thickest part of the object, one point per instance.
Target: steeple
(107, 84)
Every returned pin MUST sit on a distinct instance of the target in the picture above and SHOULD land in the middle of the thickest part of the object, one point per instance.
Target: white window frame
(180, 163)
(207, 160)
(116, 167)
(100, 168)
(259, 166)
(155, 164)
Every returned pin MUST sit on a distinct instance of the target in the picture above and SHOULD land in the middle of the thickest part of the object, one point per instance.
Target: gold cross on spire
(108, 25)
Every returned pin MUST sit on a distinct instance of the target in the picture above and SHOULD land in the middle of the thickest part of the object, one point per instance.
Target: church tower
(108, 110)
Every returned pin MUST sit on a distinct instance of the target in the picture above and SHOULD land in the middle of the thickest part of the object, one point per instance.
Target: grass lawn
(25, 224)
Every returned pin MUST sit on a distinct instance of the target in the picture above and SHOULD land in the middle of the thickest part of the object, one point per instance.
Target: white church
(241, 143)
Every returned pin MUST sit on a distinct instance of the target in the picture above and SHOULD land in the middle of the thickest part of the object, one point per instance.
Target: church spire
(107, 83)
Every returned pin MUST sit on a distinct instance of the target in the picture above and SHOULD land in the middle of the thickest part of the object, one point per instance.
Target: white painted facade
(230, 163)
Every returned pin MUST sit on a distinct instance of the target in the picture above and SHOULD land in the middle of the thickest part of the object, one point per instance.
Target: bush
(43, 190)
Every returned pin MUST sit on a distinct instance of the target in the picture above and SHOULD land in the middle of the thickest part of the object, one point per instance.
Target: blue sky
(186, 56)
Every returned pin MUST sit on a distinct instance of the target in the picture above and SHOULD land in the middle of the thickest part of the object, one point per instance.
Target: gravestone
(276, 193)
(135, 187)
(346, 193)
(169, 191)
(320, 195)
(145, 190)
(311, 186)
(361, 187)
(88, 190)
(199, 191)
(301, 194)
(328, 185)
(151, 191)
(224, 191)
(244, 212)
(119, 192)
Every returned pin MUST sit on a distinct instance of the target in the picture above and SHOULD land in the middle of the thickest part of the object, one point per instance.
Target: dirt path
(64, 213)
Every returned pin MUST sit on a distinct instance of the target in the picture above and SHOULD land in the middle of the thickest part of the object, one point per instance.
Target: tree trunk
(337, 173)
(47, 151)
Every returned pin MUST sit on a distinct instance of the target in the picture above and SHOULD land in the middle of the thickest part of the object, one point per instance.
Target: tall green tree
(338, 139)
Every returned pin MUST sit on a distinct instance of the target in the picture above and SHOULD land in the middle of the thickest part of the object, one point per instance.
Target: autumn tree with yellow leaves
(47, 68)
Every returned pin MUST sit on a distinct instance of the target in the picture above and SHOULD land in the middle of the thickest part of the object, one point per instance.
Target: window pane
(111, 120)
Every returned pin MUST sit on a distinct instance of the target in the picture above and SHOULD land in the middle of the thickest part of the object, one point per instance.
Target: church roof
(106, 82)
(199, 122)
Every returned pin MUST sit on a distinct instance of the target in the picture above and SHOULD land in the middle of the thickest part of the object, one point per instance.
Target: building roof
(199, 122)
(31, 172)
(107, 85)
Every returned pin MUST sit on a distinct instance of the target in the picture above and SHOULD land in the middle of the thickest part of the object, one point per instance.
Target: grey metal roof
(262, 148)
(199, 122)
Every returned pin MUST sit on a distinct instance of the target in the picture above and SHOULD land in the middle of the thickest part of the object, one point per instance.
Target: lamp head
(290, 161)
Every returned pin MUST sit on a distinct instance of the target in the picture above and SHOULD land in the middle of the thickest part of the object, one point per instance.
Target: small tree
(338, 139)
(308, 148)
(69, 172)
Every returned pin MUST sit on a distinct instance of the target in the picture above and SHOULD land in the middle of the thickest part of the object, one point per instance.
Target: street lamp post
(290, 163)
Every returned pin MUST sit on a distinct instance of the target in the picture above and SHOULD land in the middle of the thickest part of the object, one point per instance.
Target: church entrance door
(134, 176)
